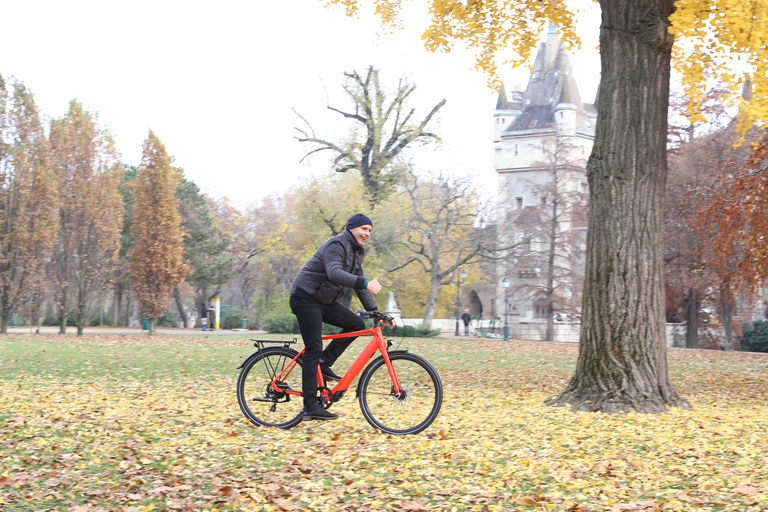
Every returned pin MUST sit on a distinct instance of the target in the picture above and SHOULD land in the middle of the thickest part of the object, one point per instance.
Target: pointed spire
(502, 103)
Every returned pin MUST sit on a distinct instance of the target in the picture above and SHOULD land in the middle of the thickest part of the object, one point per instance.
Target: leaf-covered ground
(135, 423)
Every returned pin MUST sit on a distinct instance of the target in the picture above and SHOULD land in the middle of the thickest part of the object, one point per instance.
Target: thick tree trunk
(152, 322)
(622, 364)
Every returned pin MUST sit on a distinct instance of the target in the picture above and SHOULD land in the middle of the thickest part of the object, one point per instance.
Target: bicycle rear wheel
(420, 400)
(258, 401)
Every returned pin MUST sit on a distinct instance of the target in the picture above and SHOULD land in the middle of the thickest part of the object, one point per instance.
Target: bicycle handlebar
(377, 315)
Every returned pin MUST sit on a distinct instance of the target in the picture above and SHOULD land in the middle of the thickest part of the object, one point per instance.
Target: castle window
(543, 201)
(561, 115)
(519, 202)
(533, 123)
(515, 149)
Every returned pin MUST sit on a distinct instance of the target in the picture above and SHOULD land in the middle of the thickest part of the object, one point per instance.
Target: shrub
(167, 320)
(755, 338)
(233, 320)
(53, 321)
(413, 331)
(50, 321)
(281, 323)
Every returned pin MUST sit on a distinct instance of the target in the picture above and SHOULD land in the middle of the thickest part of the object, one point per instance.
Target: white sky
(216, 81)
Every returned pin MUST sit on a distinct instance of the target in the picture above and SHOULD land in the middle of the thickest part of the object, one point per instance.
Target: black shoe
(316, 412)
(327, 372)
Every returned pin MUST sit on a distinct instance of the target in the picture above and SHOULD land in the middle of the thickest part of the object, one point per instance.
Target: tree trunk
(622, 363)
(117, 301)
(80, 313)
(5, 317)
(152, 322)
(549, 334)
(692, 308)
(62, 321)
(429, 313)
(180, 307)
(726, 309)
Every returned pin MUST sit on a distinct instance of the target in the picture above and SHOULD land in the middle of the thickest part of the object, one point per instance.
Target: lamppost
(459, 277)
(505, 285)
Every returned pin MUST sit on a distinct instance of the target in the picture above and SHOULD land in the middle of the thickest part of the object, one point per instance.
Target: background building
(542, 139)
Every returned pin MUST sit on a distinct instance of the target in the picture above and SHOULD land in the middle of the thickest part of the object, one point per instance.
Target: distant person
(467, 318)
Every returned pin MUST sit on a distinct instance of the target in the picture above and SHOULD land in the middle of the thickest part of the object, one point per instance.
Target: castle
(542, 139)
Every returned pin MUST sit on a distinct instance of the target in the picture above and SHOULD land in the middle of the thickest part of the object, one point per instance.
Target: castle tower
(528, 126)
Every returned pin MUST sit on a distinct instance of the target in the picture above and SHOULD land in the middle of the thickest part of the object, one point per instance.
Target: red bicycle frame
(377, 343)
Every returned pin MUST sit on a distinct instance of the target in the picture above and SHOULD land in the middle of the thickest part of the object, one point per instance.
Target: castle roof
(551, 87)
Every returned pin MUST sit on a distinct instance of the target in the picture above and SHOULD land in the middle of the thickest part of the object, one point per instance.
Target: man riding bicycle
(336, 265)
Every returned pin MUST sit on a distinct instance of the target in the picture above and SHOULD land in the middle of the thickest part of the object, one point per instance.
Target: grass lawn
(139, 423)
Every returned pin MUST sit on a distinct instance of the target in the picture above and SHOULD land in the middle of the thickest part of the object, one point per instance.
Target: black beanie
(358, 220)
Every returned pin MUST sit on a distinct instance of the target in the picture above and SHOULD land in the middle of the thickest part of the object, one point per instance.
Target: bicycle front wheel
(418, 404)
(258, 400)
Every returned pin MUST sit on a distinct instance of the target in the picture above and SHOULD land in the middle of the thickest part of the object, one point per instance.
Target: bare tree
(388, 127)
(550, 267)
(438, 232)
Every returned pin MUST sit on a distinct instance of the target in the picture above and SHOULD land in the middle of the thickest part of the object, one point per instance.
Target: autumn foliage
(28, 198)
(88, 174)
(137, 423)
(157, 264)
(736, 213)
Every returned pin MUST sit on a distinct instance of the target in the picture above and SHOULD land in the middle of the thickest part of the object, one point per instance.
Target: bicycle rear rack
(260, 343)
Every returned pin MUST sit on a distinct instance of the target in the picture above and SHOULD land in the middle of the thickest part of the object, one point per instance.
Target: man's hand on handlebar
(381, 318)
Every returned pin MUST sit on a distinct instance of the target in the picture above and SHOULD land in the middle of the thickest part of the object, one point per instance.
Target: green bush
(50, 321)
(233, 320)
(755, 338)
(167, 320)
(53, 321)
(281, 323)
(412, 331)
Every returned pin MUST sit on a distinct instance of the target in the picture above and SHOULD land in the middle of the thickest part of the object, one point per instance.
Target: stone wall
(533, 329)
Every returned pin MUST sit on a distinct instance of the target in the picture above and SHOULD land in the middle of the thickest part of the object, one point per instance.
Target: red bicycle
(399, 392)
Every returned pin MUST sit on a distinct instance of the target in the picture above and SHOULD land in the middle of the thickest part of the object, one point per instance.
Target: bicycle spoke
(259, 401)
(419, 401)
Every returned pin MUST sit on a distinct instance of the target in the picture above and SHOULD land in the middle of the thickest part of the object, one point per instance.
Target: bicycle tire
(416, 409)
(260, 406)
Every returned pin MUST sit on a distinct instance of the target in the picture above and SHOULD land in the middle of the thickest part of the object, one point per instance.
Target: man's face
(362, 233)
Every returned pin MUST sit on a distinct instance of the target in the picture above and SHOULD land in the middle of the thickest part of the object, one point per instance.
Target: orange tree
(734, 211)
(91, 213)
(622, 363)
(28, 199)
(157, 264)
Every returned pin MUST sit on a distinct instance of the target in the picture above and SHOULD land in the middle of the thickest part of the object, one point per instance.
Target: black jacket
(336, 264)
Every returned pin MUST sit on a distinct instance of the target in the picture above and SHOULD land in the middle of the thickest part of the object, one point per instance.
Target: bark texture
(622, 364)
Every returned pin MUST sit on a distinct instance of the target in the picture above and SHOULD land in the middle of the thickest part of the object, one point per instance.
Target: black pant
(311, 314)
